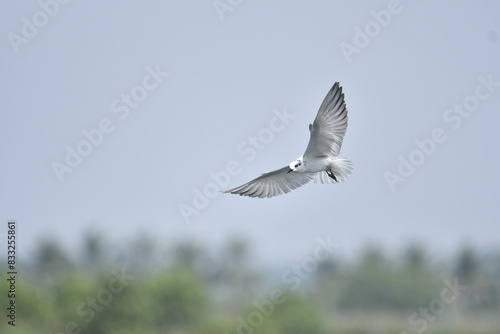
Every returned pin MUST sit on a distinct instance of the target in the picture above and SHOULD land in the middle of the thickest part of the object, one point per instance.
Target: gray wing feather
(329, 126)
(272, 184)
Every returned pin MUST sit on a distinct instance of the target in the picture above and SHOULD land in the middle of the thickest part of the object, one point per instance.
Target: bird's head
(295, 166)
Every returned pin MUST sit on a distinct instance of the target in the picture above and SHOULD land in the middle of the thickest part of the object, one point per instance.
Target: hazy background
(145, 200)
(228, 71)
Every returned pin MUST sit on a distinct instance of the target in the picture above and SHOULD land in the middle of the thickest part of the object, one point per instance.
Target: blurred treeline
(145, 286)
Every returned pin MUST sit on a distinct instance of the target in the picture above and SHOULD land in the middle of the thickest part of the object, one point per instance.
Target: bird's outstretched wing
(272, 184)
(329, 126)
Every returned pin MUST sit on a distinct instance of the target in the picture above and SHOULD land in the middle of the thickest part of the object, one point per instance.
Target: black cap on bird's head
(292, 167)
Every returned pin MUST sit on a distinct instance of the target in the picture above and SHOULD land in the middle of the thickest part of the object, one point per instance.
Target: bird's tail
(339, 171)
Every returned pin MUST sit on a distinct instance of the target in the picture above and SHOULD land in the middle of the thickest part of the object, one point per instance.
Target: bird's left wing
(272, 184)
(329, 126)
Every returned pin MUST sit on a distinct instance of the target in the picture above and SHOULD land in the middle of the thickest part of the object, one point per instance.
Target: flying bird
(320, 160)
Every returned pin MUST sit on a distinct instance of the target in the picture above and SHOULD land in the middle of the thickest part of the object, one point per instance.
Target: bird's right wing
(272, 184)
(329, 126)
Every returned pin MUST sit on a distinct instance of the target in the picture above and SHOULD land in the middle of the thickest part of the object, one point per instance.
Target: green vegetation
(188, 288)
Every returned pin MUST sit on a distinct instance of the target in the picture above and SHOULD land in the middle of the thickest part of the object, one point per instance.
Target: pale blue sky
(226, 80)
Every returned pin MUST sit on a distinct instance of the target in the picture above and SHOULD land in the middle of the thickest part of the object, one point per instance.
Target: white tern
(320, 160)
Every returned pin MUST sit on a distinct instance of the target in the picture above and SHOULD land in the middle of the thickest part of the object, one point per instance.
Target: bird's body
(320, 160)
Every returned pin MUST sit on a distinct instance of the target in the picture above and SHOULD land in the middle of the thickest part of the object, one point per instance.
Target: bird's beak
(289, 170)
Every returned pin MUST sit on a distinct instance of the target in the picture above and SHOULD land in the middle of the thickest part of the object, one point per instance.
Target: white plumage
(320, 160)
